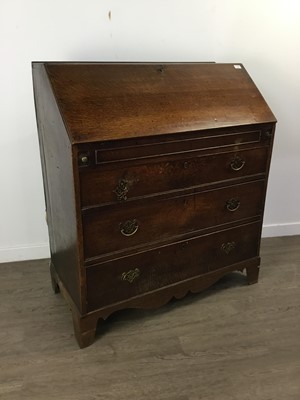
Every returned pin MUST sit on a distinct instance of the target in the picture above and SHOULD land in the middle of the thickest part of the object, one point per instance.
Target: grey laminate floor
(231, 342)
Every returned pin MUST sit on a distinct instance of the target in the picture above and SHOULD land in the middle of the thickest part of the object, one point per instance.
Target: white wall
(264, 35)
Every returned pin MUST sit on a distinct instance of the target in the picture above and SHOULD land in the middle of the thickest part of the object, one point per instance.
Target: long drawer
(126, 277)
(115, 228)
(114, 183)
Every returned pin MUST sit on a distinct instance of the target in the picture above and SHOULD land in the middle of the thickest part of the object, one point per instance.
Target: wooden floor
(232, 341)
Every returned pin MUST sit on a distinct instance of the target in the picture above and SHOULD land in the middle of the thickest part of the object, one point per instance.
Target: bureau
(155, 179)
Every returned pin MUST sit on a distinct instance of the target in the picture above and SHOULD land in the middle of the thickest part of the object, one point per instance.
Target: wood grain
(57, 167)
(105, 117)
(233, 341)
(168, 219)
(121, 100)
(158, 175)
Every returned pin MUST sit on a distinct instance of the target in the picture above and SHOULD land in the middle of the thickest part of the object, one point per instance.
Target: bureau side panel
(271, 134)
(57, 166)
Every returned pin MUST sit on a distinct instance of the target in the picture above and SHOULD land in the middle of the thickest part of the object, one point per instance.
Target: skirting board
(275, 230)
(41, 250)
(24, 252)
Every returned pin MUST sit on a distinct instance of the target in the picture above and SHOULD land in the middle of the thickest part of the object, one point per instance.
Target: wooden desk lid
(105, 101)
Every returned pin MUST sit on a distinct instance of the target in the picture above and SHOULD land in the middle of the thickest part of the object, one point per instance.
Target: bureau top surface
(106, 101)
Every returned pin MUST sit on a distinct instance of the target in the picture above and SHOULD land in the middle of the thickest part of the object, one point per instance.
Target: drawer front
(126, 277)
(115, 184)
(167, 146)
(115, 228)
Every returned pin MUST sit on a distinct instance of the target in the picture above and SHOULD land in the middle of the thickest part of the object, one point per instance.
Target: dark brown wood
(156, 175)
(196, 142)
(155, 180)
(252, 274)
(57, 165)
(85, 335)
(167, 265)
(159, 220)
(114, 101)
(157, 298)
(54, 282)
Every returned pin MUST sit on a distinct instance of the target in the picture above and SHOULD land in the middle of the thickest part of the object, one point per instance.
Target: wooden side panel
(57, 166)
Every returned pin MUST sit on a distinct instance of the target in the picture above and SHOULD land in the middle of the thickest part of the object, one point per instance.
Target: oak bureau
(155, 180)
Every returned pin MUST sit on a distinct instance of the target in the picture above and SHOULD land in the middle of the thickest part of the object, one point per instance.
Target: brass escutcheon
(122, 189)
(228, 247)
(131, 275)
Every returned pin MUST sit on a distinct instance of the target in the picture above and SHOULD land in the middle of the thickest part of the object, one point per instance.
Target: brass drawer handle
(129, 227)
(131, 275)
(232, 204)
(228, 247)
(237, 163)
(122, 189)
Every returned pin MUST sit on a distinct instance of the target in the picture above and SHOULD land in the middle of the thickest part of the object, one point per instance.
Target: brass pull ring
(237, 163)
(129, 227)
(228, 247)
(131, 275)
(232, 204)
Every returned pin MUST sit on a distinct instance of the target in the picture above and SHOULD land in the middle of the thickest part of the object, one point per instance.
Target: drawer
(104, 185)
(118, 228)
(118, 152)
(193, 141)
(126, 277)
